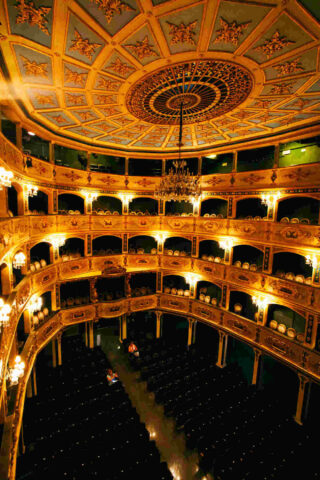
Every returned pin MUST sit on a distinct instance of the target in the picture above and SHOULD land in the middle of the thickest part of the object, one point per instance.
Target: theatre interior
(159, 239)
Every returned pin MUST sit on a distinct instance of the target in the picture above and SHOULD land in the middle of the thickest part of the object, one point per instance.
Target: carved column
(126, 166)
(54, 353)
(3, 404)
(124, 327)
(235, 161)
(199, 165)
(163, 167)
(29, 387)
(222, 352)
(91, 337)
(256, 366)
(51, 152)
(93, 290)
(86, 334)
(158, 324)
(303, 381)
(59, 348)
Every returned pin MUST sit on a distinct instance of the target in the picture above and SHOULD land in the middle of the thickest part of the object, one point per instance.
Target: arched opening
(247, 257)
(105, 205)
(68, 203)
(208, 292)
(4, 279)
(175, 330)
(40, 256)
(42, 316)
(142, 244)
(143, 284)
(241, 304)
(106, 245)
(143, 206)
(207, 340)
(176, 285)
(74, 293)
(141, 326)
(210, 250)
(110, 288)
(73, 248)
(286, 321)
(303, 210)
(214, 207)
(251, 209)
(183, 208)
(177, 246)
(12, 201)
(291, 266)
(241, 354)
(17, 276)
(22, 332)
(38, 205)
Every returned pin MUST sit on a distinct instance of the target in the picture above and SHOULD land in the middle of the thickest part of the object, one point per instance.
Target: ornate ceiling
(112, 73)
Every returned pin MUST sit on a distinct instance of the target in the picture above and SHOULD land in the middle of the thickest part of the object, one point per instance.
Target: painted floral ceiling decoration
(113, 73)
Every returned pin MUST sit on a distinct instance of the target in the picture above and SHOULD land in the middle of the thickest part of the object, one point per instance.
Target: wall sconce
(31, 191)
(5, 178)
(226, 244)
(312, 260)
(35, 304)
(57, 241)
(90, 196)
(260, 302)
(125, 198)
(160, 237)
(4, 313)
(270, 200)
(17, 371)
(19, 260)
(192, 279)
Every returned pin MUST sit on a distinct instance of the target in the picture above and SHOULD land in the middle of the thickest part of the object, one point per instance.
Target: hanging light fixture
(19, 260)
(57, 240)
(31, 191)
(5, 178)
(16, 371)
(179, 184)
(35, 304)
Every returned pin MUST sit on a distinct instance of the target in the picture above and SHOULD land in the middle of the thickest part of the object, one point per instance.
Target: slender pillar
(54, 353)
(3, 405)
(126, 166)
(34, 380)
(124, 327)
(158, 324)
(303, 381)
(199, 165)
(194, 332)
(256, 366)
(222, 352)
(235, 161)
(191, 331)
(29, 387)
(91, 338)
(59, 348)
(86, 334)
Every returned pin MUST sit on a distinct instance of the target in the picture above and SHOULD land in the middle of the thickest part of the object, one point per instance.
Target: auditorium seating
(239, 431)
(79, 428)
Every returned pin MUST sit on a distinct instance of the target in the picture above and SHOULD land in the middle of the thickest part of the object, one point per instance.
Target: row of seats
(80, 428)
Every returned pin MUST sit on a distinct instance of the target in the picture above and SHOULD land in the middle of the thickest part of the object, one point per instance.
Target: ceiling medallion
(207, 88)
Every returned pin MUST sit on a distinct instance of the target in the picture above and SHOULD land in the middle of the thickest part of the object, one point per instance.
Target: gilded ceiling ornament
(120, 67)
(122, 121)
(281, 88)
(83, 46)
(289, 67)
(143, 49)
(104, 126)
(28, 13)
(35, 69)
(111, 8)
(230, 32)
(83, 131)
(108, 111)
(302, 102)
(45, 99)
(75, 99)
(58, 118)
(182, 33)
(263, 103)
(75, 77)
(275, 44)
(105, 99)
(85, 115)
(108, 84)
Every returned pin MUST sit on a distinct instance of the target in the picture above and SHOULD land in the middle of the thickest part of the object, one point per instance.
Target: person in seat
(133, 350)
(112, 377)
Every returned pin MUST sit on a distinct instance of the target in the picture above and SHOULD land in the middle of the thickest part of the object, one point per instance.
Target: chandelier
(19, 260)
(179, 184)
(5, 178)
(5, 310)
(31, 191)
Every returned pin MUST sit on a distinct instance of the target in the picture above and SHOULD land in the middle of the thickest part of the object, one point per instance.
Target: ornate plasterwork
(287, 68)
(83, 46)
(75, 99)
(75, 77)
(143, 49)
(35, 69)
(58, 118)
(230, 32)
(275, 44)
(108, 84)
(28, 13)
(281, 88)
(120, 67)
(182, 33)
(111, 8)
(157, 97)
(45, 99)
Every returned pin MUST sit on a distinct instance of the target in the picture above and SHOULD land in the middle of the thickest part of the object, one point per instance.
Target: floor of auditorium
(171, 446)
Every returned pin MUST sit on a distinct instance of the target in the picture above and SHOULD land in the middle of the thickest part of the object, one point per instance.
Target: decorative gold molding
(275, 44)
(230, 32)
(28, 13)
(83, 45)
(182, 33)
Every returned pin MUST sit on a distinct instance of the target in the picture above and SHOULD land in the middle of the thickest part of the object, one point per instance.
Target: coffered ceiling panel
(114, 73)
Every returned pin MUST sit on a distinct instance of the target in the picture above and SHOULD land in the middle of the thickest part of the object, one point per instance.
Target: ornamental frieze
(242, 327)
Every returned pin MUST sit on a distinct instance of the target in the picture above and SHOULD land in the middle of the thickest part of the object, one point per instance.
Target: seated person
(112, 377)
(133, 350)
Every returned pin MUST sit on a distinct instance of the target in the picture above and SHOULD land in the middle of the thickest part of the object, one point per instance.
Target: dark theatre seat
(239, 432)
(79, 428)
